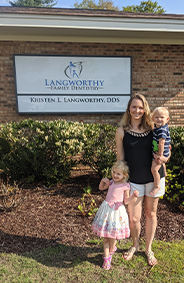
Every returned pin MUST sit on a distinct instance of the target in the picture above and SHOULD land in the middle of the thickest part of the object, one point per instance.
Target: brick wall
(157, 72)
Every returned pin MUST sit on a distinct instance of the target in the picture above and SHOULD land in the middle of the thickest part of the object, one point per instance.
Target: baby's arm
(128, 198)
(104, 184)
(159, 157)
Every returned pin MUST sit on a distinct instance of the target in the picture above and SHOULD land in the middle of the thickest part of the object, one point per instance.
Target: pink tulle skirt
(111, 223)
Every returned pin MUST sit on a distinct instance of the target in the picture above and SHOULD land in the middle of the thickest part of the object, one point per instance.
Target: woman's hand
(160, 159)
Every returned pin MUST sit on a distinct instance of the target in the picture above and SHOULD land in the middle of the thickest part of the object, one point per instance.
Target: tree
(102, 5)
(33, 3)
(145, 7)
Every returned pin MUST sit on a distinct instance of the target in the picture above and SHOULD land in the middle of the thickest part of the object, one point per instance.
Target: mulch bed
(50, 216)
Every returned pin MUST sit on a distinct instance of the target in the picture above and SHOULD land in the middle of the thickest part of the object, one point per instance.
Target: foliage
(5, 146)
(9, 195)
(175, 187)
(33, 3)
(87, 207)
(177, 143)
(175, 168)
(90, 4)
(41, 151)
(99, 148)
(145, 7)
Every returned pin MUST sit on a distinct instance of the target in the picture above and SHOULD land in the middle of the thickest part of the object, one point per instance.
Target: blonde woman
(134, 145)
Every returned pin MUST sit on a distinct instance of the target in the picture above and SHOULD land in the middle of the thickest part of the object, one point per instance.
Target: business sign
(72, 84)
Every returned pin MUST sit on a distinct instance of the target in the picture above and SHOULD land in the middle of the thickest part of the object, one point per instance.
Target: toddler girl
(111, 221)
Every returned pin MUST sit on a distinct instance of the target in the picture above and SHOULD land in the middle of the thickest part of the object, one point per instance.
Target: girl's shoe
(111, 253)
(107, 263)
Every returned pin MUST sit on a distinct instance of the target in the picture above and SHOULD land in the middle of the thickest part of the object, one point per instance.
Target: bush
(175, 168)
(175, 187)
(5, 146)
(41, 151)
(177, 143)
(99, 148)
(47, 151)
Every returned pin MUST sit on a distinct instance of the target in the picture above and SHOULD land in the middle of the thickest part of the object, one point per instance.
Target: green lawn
(83, 264)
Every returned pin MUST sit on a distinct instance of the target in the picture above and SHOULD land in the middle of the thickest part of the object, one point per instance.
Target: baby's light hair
(124, 167)
(161, 109)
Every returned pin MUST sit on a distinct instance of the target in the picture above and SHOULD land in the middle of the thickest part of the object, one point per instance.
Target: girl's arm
(119, 143)
(128, 198)
(104, 184)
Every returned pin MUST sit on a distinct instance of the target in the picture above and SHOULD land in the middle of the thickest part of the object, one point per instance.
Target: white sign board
(71, 84)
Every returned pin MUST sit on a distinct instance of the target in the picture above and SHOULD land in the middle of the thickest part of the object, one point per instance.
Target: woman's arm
(159, 159)
(119, 143)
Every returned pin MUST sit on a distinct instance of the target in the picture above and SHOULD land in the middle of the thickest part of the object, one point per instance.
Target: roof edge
(86, 12)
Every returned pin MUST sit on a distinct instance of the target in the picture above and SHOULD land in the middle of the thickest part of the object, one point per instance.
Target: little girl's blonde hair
(124, 167)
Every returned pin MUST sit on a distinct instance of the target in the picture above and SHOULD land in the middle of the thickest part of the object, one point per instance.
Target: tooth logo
(73, 70)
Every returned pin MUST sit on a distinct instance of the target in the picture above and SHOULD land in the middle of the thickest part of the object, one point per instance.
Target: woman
(134, 144)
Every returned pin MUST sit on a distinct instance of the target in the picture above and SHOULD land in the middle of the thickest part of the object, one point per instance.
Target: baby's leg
(154, 169)
(165, 172)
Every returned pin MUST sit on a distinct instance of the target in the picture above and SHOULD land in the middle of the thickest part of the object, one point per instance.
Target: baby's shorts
(145, 189)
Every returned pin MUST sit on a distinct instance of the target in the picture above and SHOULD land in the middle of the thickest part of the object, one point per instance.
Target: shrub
(175, 187)
(177, 143)
(99, 148)
(5, 146)
(41, 151)
(175, 168)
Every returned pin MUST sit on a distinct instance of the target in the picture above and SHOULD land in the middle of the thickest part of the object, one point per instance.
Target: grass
(63, 264)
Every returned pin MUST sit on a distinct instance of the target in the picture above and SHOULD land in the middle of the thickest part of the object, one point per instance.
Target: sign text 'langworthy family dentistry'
(72, 84)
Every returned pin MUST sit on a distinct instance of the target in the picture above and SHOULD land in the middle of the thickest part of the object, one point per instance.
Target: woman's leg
(135, 212)
(151, 205)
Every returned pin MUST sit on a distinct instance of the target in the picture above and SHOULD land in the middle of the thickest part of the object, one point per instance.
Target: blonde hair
(146, 122)
(160, 109)
(124, 167)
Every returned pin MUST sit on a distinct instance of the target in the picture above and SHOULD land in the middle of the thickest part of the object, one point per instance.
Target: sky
(171, 6)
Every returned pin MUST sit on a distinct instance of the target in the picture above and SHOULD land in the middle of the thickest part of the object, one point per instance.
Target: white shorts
(145, 189)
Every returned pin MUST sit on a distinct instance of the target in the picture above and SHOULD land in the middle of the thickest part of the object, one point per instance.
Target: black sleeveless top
(138, 155)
